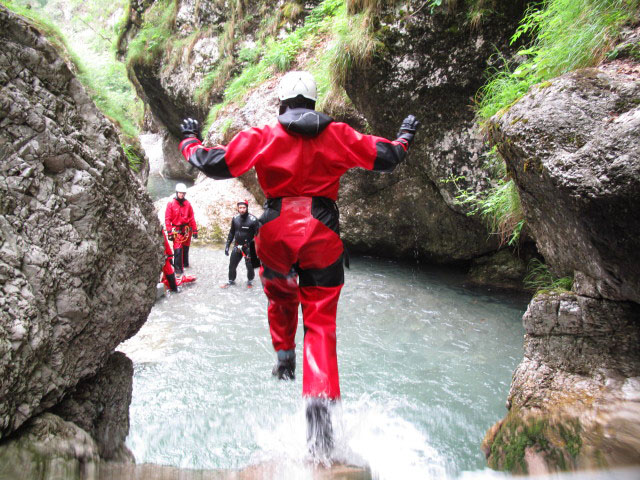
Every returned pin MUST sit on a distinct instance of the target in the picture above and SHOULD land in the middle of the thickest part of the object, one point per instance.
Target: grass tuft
(151, 41)
(540, 279)
(568, 34)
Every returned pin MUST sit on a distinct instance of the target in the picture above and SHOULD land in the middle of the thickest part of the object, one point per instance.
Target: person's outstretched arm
(373, 152)
(220, 162)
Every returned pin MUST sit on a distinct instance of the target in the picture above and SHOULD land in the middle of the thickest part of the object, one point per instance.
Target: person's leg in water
(282, 313)
(250, 271)
(234, 260)
(185, 256)
(319, 294)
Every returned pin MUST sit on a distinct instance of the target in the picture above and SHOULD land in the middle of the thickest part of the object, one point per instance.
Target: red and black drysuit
(244, 228)
(180, 224)
(299, 162)
(168, 275)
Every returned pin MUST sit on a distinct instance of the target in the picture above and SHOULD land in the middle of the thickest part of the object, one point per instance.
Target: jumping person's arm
(373, 152)
(222, 161)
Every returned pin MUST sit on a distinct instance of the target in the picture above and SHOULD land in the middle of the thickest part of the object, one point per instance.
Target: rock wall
(431, 65)
(100, 406)
(572, 145)
(80, 245)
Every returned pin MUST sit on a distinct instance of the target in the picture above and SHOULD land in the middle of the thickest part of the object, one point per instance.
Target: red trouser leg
(282, 312)
(320, 370)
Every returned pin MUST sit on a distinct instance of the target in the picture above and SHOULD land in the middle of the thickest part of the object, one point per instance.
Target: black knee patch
(270, 273)
(331, 276)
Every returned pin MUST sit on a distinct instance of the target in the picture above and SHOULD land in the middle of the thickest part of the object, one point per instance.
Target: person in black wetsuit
(244, 227)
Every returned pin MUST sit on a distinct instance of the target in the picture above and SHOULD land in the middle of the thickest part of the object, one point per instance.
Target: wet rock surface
(80, 246)
(100, 406)
(572, 146)
(49, 447)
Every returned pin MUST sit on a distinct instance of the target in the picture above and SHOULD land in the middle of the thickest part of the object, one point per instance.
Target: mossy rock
(557, 441)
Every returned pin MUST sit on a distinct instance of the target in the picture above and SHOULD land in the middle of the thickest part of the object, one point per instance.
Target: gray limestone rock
(100, 406)
(573, 148)
(575, 396)
(432, 66)
(80, 245)
(175, 166)
(49, 447)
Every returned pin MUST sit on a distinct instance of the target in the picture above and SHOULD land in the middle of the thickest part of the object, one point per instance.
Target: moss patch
(558, 441)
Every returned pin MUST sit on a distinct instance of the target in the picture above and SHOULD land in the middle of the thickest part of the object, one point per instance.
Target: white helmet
(181, 188)
(297, 83)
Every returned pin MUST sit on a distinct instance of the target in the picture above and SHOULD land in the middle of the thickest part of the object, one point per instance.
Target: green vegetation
(106, 82)
(275, 55)
(134, 160)
(568, 34)
(151, 41)
(540, 279)
(559, 442)
(499, 205)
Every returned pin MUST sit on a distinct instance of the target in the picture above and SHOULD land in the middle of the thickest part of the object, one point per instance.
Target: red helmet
(243, 202)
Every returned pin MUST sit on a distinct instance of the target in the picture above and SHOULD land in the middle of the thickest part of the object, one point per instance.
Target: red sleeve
(368, 151)
(168, 216)
(232, 160)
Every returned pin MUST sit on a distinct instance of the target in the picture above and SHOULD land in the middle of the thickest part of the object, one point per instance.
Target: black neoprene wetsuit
(243, 229)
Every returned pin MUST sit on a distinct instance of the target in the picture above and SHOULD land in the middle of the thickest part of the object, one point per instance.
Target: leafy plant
(132, 157)
(568, 34)
(540, 279)
(150, 42)
(500, 207)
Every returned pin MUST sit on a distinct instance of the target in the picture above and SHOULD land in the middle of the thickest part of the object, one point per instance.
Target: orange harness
(180, 235)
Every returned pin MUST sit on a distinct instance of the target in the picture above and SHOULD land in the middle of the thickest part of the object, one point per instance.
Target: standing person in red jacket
(181, 226)
(299, 161)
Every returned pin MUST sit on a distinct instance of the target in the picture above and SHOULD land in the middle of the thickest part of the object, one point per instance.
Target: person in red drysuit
(168, 273)
(181, 226)
(299, 161)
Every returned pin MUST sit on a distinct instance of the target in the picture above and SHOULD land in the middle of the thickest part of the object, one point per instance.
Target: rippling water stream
(425, 369)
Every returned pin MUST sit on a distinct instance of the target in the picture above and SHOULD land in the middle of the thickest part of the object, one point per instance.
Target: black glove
(170, 236)
(190, 128)
(408, 129)
(226, 250)
(195, 234)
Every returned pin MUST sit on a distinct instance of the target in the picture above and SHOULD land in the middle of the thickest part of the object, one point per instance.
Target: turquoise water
(425, 367)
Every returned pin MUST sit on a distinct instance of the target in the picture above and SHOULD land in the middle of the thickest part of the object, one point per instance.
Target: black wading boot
(319, 428)
(285, 369)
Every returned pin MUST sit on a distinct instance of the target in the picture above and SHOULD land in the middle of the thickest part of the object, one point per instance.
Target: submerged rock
(80, 247)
